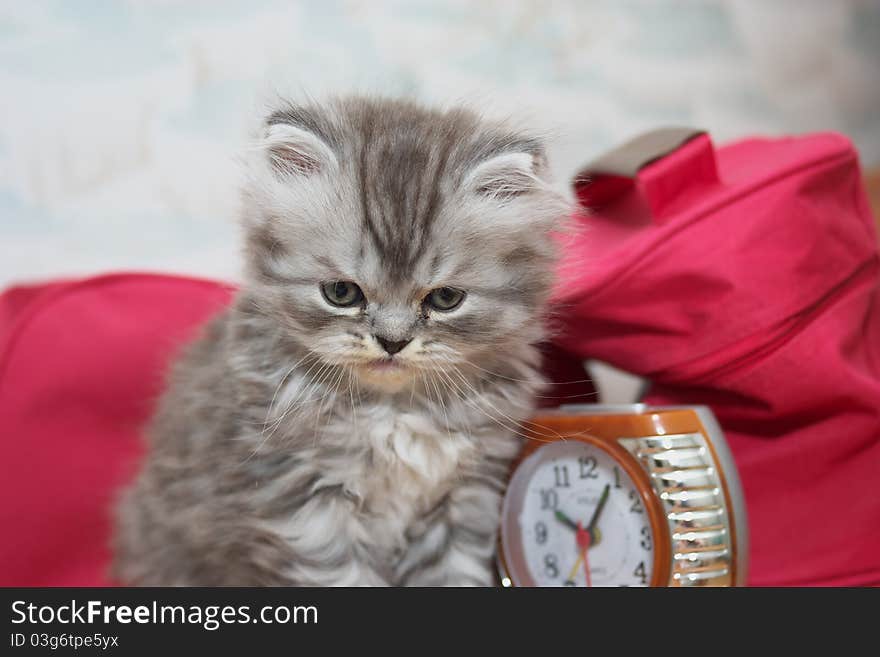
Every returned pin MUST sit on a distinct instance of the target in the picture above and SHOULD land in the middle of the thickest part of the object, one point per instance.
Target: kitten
(351, 418)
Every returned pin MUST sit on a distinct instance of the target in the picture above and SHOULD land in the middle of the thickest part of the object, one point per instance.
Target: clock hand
(565, 520)
(591, 528)
(584, 538)
(587, 569)
(574, 569)
(583, 542)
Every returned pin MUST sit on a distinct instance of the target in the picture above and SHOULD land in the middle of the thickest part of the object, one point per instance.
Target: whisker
(281, 383)
(331, 393)
(444, 357)
(481, 395)
(514, 379)
(475, 406)
(442, 406)
(308, 384)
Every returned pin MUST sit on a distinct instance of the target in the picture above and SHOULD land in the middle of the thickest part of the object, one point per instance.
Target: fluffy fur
(290, 447)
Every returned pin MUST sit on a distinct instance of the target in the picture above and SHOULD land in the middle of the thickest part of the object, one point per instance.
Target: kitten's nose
(392, 346)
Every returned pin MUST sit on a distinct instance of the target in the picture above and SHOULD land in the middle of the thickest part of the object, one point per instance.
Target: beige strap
(629, 157)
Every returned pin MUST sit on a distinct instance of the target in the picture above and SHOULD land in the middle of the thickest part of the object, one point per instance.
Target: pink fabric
(81, 364)
(756, 294)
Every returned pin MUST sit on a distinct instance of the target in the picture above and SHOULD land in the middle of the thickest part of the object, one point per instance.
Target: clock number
(549, 499)
(640, 573)
(561, 474)
(541, 533)
(550, 566)
(588, 467)
(636, 506)
(617, 478)
(646, 538)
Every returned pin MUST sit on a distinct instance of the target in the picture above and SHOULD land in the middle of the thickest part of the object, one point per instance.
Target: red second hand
(583, 541)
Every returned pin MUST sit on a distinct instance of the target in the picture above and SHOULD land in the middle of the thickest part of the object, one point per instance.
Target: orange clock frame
(604, 429)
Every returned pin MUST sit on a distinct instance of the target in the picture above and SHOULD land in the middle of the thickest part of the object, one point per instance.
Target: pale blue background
(120, 121)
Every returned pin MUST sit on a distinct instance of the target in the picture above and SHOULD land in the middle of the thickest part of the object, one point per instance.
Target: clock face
(574, 517)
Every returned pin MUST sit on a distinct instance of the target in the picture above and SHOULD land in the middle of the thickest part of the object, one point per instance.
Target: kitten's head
(396, 239)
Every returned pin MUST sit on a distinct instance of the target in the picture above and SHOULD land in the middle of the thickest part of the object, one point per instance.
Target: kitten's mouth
(385, 365)
(387, 374)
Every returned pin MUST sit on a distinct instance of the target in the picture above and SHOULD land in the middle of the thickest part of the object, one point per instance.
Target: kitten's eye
(342, 293)
(445, 298)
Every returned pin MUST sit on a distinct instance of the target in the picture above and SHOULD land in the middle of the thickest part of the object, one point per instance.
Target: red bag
(747, 279)
(81, 365)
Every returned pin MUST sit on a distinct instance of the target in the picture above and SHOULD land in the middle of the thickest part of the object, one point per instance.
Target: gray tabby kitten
(351, 418)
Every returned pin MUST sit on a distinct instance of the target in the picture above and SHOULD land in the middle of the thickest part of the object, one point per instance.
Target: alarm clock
(624, 496)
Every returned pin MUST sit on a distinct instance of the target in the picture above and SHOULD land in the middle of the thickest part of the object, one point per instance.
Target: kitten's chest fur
(392, 465)
(410, 462)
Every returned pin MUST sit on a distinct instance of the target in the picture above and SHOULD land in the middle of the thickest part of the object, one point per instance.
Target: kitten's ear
(507, 175)
(293, 150)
